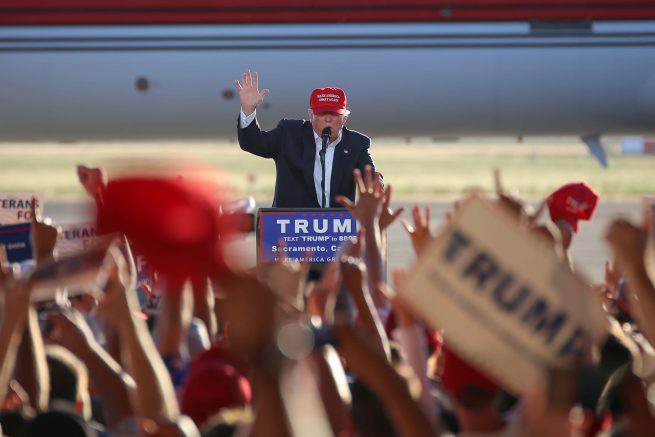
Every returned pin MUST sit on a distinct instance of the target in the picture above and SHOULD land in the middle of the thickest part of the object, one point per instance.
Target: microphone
(325, 135)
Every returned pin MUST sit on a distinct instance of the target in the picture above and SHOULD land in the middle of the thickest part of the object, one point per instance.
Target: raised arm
(112, 385)
(16, 306)
(628, 243)
(31, 366)
(251, 138)
(155, 394)
(383, 380)
(367, 211)
(249, 93)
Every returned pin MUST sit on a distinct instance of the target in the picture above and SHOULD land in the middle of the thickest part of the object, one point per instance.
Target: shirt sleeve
(245, 120)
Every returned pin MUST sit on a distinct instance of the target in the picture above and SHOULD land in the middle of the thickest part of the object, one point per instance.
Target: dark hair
(64, 374)
(12, 423)
(56, 423)
(369, 414)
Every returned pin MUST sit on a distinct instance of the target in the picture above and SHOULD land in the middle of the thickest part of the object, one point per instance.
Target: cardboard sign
(81, 272)
(318, 231)
(75, 238)
(16, 241)
(17, 207)
(508, 305)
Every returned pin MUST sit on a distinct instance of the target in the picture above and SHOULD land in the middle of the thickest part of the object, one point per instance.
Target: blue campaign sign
(318, 231)
(16, 240)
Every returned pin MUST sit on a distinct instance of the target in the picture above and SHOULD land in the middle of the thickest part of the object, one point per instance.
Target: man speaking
(314, 159)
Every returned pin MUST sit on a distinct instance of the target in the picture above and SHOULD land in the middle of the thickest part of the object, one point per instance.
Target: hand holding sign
(44, 237)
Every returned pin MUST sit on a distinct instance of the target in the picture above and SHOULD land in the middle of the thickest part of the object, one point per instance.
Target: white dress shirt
(245, 120)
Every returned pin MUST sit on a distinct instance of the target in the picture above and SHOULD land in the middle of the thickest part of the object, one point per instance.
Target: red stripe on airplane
(316, 11)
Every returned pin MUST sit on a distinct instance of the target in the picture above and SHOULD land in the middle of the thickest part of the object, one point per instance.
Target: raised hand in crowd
(368, 210)
(419, 233)
(92, 180)
(251, 315)
(111, 384)
(249, 93)
(31, 368)
(388, 215)
(368, 321)
(43, 236)
(156, 399)
(410, 336)
(286, 277)
(321, 295)
(628, 243)
(380, 377)
(15, 314)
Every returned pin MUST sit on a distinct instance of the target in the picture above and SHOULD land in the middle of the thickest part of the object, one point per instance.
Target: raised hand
(388, 215)
(43, 236)
(119, 301)
(320, 299)
(628, 243)
(286, 277)
(71, 330)
(419, 233)
(368, 208)
(353, 272)
(249, 93)
(91, 179)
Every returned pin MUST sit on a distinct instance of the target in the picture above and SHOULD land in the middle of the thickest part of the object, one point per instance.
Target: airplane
(113, 70)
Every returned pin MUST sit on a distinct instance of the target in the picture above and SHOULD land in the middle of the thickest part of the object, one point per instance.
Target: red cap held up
(173, 222)
(572, 202)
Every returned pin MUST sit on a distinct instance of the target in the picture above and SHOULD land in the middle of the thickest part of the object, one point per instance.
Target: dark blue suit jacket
(291, 145)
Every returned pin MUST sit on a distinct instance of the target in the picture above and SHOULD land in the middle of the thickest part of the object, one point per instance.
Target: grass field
(415, 170)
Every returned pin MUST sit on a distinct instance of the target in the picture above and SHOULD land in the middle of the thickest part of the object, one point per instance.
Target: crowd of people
(286, 348)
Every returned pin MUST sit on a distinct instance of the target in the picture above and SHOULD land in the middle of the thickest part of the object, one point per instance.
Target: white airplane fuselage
(169, 82)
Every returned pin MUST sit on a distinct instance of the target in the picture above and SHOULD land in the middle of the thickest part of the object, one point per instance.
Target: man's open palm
(249, 92)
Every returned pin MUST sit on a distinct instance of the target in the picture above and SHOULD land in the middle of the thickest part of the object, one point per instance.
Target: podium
(319, 231)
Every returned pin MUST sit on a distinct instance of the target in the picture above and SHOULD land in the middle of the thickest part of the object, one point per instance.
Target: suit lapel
(339, 164)
(308, 156)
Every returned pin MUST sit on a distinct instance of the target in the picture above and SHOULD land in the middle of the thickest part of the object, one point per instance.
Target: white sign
(16, 207)
(75, 238)
(508, 305)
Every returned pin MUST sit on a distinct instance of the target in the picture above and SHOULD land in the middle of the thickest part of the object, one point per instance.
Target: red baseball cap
(572, 202)
(173, 222)
(457, 374)
(330, 99)
(216, 379)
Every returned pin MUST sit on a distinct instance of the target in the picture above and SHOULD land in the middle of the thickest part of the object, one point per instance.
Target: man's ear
(311, 114)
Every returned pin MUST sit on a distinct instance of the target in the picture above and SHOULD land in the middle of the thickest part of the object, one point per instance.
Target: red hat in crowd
(572, 202)
(173, 222)
(457, 375)
(216, 380)
(330, 99)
